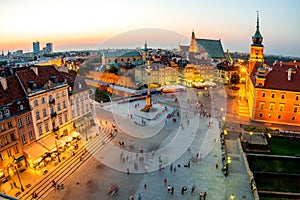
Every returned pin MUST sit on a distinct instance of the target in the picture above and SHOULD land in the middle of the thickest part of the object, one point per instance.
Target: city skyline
(72, 25)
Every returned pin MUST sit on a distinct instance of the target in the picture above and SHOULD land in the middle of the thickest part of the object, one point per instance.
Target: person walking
(140, 197)
(145, 187)
(172, 190)
(165, 181)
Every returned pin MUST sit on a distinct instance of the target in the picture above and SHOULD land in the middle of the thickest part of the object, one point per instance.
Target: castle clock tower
(256, 49)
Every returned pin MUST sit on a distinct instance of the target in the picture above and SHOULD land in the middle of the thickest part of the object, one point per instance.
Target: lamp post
(22, 189)
(57, 151)
(251, 133)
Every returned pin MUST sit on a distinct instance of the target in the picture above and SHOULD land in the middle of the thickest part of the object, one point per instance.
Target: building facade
(272, 89)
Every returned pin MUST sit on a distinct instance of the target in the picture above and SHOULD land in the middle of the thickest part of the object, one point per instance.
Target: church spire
(193, 35)
(257, 38)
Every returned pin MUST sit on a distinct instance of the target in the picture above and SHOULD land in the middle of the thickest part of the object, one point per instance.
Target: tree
(235, 78)
(113, 70)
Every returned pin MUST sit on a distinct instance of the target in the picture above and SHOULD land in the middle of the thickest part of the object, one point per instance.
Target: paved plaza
(191, 139)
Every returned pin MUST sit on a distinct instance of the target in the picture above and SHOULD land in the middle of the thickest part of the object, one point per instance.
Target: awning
(66, 138)
(35, 150)
(49, 142)
(75, 134)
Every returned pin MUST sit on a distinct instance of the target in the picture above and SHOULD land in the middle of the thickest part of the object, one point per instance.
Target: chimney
(289, 75)
(35, 69)
(3, 82)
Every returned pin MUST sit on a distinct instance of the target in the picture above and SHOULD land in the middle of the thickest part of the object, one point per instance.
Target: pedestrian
(172, 190)
(201, 195)
(193, 190)
(140, 197)
(171, 167)
(182, 190)
(145, 187)
(53, 184)
(174, 168)
(204, 196)
(169, 188)
(127, 170)
(165, 181)
(131, 197)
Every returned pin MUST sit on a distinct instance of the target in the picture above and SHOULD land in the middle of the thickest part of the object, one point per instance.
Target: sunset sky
(91, 24)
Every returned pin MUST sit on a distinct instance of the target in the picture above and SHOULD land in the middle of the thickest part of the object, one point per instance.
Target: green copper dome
(257, 38)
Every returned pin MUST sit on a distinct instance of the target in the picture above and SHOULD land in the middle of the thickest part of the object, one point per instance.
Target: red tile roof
(277, 76)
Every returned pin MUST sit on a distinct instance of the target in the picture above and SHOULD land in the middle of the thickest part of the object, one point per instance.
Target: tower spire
(257, 26)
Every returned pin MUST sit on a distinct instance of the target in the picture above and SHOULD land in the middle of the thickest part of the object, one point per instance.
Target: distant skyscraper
(49, 47)
(36, 47)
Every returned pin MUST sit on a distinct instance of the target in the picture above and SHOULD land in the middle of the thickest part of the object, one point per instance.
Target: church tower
(145, 55)
(194, 45)
(256, 49)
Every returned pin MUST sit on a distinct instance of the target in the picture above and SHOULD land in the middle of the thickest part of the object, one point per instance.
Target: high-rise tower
(36, 47)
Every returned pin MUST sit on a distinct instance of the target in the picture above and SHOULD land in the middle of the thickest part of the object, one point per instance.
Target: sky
(92, 24)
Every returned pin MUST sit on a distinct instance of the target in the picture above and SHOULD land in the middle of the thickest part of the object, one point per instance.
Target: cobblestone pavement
(91, 183)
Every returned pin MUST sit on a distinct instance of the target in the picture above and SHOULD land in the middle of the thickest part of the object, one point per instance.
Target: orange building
(273, 91)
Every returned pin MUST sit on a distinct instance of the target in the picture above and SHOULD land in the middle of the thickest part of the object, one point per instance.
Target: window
(1, 158)
(293, 118)
(282, 96)
(58, 106)
(51, 110)
(261, 105)
(37, 115)
(16, 149)
(2, 127)
(272, 106)
(66, 117)
(281, 107)
(73, 113)
(43, 100)
(1, 143)
(77, 100)
(20, 122)
(57, 95)
(273, 95)
(297, 97)
(296, 109)
(23, 138)
(72, 102)
(30, 135)
(40, 130)
(63, 93)
(87, 107)
(35, 102)
(6, 113)
(27, 118)
(260, 114)
(9, 124)
(5, 140)
(21, 107)
(60, 120)
(44, 112)
(86, 96)
(64, 104)
(279, 116)
(46, 127)
(12, 137)
(263, 94)
(8, 153)
(1, 116)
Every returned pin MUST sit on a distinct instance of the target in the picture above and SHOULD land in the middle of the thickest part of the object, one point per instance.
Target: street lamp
(57, 151)
(251, 133)
(22, 189)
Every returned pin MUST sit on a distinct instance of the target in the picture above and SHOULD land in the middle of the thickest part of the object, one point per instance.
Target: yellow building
(160, 74)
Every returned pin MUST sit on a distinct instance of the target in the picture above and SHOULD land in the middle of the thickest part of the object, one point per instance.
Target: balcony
(51, 101)
(53, 114)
